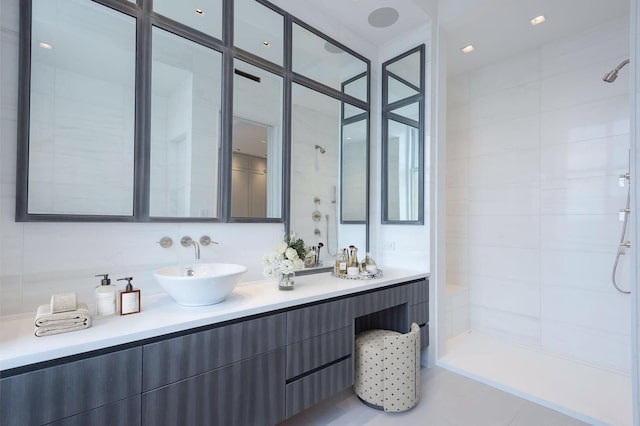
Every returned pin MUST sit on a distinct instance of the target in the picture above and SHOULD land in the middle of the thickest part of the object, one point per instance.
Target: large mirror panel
(403, 138)
(81, 123)
(315, 174)
(329, 64)
(256, 182)
(185, 127)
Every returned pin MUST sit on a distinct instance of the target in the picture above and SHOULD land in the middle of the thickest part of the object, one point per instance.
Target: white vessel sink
(210, 283)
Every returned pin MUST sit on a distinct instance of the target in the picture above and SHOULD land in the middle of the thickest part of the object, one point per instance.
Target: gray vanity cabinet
(251, 371)
(59, 392)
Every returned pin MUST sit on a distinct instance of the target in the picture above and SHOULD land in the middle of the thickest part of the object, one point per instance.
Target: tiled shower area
(535, 146)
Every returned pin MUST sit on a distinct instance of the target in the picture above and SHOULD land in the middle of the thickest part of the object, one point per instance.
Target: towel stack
(61, 315)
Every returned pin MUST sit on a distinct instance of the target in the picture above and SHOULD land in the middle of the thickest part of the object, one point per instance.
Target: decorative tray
(360, 276)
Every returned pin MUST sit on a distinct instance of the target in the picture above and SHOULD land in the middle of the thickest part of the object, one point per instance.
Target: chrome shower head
(322, 150)
(610, 77)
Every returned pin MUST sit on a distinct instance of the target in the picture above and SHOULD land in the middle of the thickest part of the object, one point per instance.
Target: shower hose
(623, 244)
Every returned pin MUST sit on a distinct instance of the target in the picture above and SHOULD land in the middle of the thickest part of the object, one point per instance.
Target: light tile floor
(448, 399)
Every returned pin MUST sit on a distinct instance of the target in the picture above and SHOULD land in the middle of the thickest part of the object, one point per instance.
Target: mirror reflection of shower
(610, 77)
(625, 180)
(334, 203)
(319, 150)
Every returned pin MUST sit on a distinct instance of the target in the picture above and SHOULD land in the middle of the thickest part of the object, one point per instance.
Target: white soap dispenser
(105, 297)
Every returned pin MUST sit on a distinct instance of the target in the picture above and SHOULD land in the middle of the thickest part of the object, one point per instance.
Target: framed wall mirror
(403, 111)
(80, 158)
(183, 116)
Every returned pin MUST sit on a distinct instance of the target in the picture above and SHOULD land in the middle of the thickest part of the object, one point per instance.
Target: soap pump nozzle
(129, 287)
(105, 279)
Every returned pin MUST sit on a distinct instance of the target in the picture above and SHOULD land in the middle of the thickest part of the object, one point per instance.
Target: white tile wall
(537, 143)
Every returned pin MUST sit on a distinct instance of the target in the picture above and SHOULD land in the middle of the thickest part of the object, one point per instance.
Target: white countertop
(161, 315)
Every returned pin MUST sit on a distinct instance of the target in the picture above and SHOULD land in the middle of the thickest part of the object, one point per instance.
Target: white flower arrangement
(287, 257)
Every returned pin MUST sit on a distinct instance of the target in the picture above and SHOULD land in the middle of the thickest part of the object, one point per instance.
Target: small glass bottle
(368, 265)
(341, 262)
(353, 267)
(105, 297)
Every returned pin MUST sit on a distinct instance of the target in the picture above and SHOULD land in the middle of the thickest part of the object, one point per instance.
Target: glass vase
(286, 281)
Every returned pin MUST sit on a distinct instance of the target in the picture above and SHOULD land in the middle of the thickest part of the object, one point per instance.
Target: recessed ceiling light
(348, 138)
(263, 141)
(538, 20)
(266, 44)
(200, 11)
(468, 48)
(383, 17)
(45, 45)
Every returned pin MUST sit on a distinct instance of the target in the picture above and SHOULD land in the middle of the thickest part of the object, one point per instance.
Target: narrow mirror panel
(185, 128)
(353, 167)
(256, 183)
(81, 127)
(403, 138)
(403, 172)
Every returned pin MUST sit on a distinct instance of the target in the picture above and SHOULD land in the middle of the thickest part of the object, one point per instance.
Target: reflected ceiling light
(263, 141)
(383, 17)
(45, 45)
(348, 138)
(538, 20)
(266, 44)
(468, 48)
(200, 11)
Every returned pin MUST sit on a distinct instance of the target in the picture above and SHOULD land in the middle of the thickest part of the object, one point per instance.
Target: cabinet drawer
(418, 291)
(175, 359)
(122, 413)
(249, 392)
(367, 303)
(54, 393)
(318, 319)
(317, 351)
(311, 389)
(419, 313)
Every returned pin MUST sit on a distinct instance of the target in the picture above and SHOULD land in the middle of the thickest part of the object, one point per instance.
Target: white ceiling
(497, 28)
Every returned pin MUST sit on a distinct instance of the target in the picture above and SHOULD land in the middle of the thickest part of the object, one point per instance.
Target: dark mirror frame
(388, 114)
(145, 20)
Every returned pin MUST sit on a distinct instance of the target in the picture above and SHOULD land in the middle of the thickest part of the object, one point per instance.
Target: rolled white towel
(61, 322)
(64, 302)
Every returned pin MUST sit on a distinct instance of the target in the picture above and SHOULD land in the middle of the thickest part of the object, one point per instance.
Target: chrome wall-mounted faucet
(186, 241)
